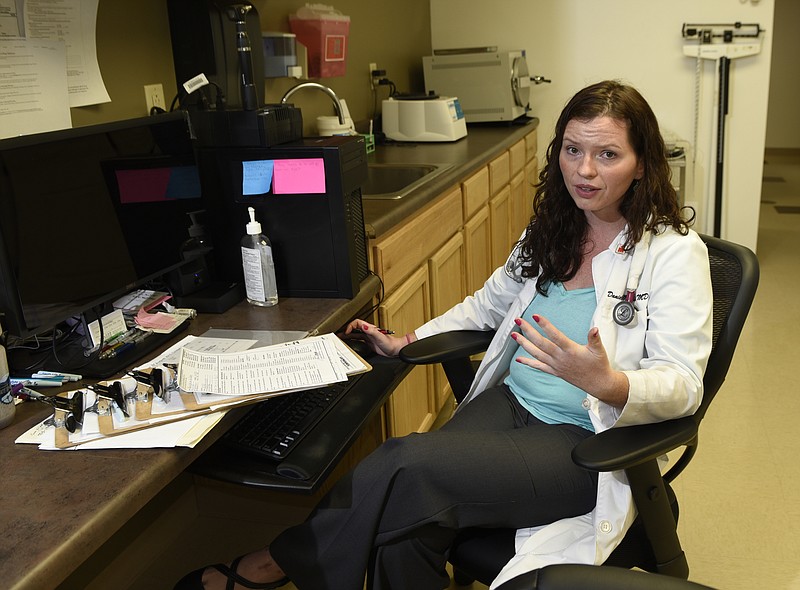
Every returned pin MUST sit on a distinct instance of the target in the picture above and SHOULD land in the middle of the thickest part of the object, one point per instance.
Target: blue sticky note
(256, 177)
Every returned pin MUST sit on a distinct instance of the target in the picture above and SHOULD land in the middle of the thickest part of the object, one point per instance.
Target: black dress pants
(394, 517)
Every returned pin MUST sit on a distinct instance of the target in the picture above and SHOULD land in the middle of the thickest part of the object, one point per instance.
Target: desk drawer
(476, 192)
(499, 172)
(517, 156)
(531, 145)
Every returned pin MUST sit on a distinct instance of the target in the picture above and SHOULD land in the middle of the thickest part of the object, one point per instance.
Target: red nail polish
(536, 318)
(514, 335)
(365, 327)
(518, 321)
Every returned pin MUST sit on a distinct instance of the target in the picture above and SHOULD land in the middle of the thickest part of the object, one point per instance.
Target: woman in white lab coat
(603, 319)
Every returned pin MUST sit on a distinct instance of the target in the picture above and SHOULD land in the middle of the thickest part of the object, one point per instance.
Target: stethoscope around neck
(625, 310)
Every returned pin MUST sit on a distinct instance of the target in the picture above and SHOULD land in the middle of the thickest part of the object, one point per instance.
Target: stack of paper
(213, 375)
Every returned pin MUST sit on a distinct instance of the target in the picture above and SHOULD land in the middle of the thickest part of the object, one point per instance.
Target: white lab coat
(663, 352)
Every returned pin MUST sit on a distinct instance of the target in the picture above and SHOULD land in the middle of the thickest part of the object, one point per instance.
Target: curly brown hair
(554, 241)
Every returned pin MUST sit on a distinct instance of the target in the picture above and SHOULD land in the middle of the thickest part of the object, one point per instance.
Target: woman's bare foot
(257, 567)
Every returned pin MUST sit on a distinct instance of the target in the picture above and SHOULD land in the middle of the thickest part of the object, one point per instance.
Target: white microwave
(490, 85)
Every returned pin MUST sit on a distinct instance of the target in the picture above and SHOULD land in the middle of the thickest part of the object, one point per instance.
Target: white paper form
(74, 22)
(306, 363)
(209, 345)
(33, 87)
(213, 345)
(186, 433)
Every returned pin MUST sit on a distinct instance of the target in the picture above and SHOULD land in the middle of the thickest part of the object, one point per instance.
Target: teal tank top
(550, 398)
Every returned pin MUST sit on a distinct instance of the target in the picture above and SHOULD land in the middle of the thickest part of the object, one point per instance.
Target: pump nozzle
(254, 227)
(196, 228)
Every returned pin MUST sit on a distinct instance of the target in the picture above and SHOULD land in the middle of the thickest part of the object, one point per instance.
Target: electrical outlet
(372, 68)
(154, 97)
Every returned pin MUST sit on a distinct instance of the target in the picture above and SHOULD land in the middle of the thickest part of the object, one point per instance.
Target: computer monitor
(89, 214)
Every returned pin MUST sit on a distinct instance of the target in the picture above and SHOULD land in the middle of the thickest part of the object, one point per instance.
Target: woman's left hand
(585, 366)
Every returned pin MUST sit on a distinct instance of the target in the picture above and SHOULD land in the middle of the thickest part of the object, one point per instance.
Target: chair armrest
(611, 450)
(628, 446)
(447, 346)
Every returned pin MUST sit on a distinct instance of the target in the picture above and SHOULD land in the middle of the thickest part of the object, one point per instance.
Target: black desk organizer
(102, 368)
(309, 464)
(71, 357)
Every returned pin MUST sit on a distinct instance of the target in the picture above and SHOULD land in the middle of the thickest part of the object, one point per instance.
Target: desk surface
(61, 506)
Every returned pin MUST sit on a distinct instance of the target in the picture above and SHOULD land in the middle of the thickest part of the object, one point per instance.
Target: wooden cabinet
(409, 408)
(478, 249)
(531, 170)
(499, 172)
(518, 155)
(475, 190)
(531, 145)
(448, 287)
(521, 198)
(401, 252)
(442, 253)
(422, 266)
(477, 229)
(521, 205)
(500, 216)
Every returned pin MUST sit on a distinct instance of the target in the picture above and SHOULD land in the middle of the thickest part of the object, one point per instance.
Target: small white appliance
(491, 85)
(429, 118)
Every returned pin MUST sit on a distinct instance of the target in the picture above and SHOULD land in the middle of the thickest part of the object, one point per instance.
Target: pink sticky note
(298, 176)
(142, 186)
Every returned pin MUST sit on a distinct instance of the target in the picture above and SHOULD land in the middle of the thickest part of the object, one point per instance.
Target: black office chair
(652, 543)
(589, 577)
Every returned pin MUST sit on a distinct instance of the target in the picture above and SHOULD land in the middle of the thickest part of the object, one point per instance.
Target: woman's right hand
(384, 344)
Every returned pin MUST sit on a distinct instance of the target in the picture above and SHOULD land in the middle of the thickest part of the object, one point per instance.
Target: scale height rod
(724, 79)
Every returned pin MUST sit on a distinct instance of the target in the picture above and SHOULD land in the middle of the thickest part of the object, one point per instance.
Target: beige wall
(134, 49)
(395, 35)
(783, 117)
(641, 43)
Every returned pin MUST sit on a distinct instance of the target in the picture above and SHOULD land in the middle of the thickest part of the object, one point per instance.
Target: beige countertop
(482, 143)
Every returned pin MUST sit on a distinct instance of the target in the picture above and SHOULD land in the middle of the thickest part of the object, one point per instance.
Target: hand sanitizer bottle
(7, 407)
(259, 268)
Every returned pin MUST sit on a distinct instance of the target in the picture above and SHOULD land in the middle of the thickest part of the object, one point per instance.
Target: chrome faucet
(337, 105)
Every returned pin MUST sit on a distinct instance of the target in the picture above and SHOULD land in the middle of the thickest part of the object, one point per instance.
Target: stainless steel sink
(394, 181)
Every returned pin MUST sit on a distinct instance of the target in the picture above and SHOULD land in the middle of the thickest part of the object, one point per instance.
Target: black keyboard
(272, 428)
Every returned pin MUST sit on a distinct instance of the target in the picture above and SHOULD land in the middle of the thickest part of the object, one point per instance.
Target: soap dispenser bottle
(198, 245)
(259, 268)
(198, 252)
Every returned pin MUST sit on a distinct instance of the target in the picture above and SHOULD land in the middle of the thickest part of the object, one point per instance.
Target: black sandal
(194, 580)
